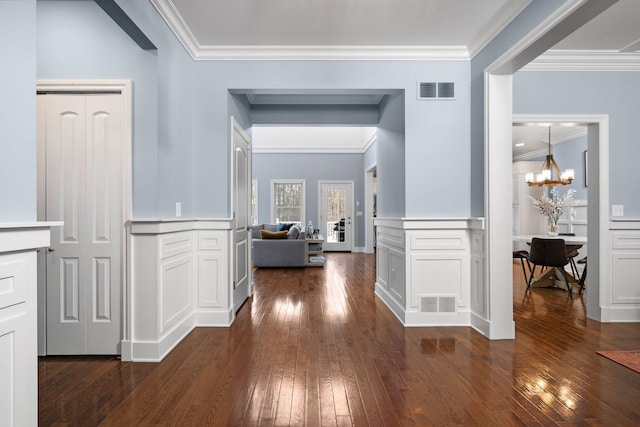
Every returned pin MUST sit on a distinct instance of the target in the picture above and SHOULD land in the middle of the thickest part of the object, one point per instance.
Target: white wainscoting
(479, 291)
(424, 270)
(18, 324)
(179, 280)
(624, 286)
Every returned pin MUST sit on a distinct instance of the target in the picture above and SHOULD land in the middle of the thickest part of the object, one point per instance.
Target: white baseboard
(359, 249)
(620, 314)
(417, 319)
(155, 351)
(391, 303)
(209, 318)
(479, 324)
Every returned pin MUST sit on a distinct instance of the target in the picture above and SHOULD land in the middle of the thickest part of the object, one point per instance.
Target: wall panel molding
(180, 279)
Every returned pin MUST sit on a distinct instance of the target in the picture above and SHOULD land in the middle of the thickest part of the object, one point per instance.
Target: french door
(336, 215)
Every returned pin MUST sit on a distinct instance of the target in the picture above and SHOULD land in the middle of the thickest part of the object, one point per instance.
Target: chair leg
(582, 279)
(574, 268)
(566, 282)
(530, 279)
(524, 272)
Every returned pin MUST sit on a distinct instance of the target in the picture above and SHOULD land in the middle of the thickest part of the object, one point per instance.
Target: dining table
(552, 277)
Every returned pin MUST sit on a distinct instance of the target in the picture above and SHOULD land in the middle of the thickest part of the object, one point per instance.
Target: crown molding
(169, 13)
(529, 155)
(504, 17)
(309, 150)
(174, 20)
(585, 60)
(420, 53)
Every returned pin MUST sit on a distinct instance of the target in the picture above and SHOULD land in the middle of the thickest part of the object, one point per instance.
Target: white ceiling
(536, 139)
(309, 139)
(449, 29)
(617, 29)
(327, 28)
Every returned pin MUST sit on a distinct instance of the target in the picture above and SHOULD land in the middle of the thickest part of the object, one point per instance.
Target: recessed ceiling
(617, 29)
(536, 138)
(310, 139)
(451, 28)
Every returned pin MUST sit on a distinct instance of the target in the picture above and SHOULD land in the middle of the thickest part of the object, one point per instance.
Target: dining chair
(549, 253)
(583, 277)
(523, 256)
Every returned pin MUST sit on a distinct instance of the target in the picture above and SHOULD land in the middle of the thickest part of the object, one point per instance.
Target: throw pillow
(293, 232)
(285, 226)
(266, 234)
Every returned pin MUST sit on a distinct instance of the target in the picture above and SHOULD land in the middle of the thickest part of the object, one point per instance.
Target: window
(254, 202)
(288, 201)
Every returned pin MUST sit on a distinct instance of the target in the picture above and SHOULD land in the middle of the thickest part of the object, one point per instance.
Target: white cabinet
(18, 328)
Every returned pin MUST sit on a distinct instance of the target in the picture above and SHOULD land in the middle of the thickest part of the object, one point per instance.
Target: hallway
(314, 346)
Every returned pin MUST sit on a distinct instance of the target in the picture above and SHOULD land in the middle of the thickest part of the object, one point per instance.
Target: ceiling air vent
(436, 90)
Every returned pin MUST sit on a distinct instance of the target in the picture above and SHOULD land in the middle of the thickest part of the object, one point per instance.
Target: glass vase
(552, 231)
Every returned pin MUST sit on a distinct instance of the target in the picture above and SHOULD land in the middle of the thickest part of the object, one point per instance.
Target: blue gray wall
(391, 169)
(612, 93)
(534, 14)
(17, 111)
(312, 168)
(77, 40)
(570, 155)
(182, 108)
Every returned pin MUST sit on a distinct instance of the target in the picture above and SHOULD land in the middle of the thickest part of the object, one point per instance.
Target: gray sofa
(277, 252)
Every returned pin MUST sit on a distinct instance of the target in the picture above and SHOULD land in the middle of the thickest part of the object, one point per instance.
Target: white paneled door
(336, 215)
(84, 187)
(241, 196)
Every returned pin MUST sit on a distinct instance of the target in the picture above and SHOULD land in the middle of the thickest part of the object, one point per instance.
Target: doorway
(241, 203)
(84, 180)
(336, 215)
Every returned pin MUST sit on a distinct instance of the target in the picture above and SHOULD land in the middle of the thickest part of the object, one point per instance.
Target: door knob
(50, 249)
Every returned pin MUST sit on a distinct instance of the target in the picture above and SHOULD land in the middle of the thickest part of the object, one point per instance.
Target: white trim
(624, 224)
(310, 150)
(525, 51)
(257, 197)
(596, 60)
(174, 20)
(369, 236)
(176, 225)
(126, 92)
(600, 236)
(332, 53)
(372, 140)
(498, 23)
(498, 272)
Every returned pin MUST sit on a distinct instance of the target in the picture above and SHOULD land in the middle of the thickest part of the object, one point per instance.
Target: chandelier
(550, 175)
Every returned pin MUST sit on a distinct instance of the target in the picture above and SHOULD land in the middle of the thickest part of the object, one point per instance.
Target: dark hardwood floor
(315, 347)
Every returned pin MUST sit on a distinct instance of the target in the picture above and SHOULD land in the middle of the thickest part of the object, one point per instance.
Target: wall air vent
(428, 304)
(438, 304)
(436, 90)
(427, 90)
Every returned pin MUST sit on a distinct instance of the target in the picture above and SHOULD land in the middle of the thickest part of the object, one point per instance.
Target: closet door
(83, 138)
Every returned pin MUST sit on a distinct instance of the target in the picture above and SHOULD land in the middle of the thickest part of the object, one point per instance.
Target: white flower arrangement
(554, 207)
